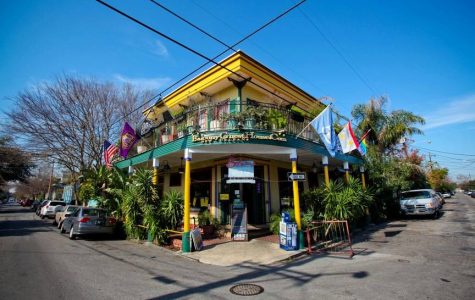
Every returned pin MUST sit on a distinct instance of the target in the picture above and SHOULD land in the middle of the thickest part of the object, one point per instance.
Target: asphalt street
(406, 259)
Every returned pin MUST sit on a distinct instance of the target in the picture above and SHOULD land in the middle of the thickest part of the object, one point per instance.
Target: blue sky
(420, 54)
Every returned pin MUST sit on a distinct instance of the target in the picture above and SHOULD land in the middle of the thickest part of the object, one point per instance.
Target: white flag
(347, 138)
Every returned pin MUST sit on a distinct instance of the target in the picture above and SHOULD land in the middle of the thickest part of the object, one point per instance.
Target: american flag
(109, 152)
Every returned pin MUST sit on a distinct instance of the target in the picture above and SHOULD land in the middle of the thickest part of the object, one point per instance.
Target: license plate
(101, 223)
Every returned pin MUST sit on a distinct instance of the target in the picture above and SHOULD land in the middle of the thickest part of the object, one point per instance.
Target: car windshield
(415, 195)
(71, 208)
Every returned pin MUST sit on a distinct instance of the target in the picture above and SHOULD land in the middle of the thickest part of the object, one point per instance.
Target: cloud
(461, 110)
(160, 49)
(144, 83)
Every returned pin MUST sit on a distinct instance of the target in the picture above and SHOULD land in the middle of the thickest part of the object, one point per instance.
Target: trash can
(288, 233)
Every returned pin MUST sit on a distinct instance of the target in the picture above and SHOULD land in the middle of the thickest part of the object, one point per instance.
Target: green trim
(300, 239)
(186, 142)
(185, 242)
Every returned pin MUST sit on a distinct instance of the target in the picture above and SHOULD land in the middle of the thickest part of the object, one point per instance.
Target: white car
(446, 195)
(50, 209)
(420, 202)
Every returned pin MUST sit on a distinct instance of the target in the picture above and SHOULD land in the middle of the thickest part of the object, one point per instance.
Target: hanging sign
(240, 171)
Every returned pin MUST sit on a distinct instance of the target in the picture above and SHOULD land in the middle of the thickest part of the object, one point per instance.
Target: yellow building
(228, 140)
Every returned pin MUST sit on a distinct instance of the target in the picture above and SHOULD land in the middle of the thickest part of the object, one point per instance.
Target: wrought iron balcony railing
(230, 116)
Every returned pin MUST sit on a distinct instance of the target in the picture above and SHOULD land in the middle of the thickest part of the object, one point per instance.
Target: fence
(329, 237)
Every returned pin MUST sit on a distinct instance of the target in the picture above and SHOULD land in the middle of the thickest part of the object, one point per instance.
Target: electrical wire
(347, 62)
(438, 151)
(212, 60)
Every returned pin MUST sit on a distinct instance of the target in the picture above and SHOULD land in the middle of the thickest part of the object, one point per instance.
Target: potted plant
(182, 130)
(249, 117)
(230, 120)
(206, 223)
(277, 119)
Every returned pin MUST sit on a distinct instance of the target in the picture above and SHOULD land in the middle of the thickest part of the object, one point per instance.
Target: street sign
(299, 176)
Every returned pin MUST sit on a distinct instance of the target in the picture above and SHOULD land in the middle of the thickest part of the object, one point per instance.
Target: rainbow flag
(362, 148)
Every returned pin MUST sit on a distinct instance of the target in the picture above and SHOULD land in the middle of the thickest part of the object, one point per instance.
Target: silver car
(88, 221)
(420, 202)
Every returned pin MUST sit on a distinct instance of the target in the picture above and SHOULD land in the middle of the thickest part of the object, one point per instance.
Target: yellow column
(295, 186)
(186, 247)
(325, 170)
(346, 167)
(363, 179)
(155, 171)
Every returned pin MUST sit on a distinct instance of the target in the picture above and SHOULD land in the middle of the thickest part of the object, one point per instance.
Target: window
(175, 179)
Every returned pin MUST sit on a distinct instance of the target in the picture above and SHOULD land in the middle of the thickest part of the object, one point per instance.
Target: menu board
(239, 223)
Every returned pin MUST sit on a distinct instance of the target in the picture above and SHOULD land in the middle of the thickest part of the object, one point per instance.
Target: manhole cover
(246, 289)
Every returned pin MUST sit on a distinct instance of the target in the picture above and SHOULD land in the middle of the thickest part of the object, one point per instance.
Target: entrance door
(253, 195)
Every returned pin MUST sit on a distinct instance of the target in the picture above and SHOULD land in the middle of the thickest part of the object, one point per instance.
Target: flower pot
(232, 124)
(250, 123)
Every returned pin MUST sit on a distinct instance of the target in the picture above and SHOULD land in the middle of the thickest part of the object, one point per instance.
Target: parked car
(49, 209)
(472, 195)
(87, 220)
(34, 205)
(420, 202)
(441, 199)
(447, 195)
(40, 206)
(64, 212)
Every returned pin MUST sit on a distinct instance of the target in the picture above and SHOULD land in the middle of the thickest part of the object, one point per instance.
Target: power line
(261, 48)
(208, 60)
(229, 47)
(451, 153)
(325, 37)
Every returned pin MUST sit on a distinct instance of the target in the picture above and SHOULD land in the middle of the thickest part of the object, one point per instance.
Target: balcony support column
(346, 167)
(325, 170)
(156, 165)
(185, 241)
(239, 85)
(295, 186)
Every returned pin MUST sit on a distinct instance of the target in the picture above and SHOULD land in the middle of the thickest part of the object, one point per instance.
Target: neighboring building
(238, 134)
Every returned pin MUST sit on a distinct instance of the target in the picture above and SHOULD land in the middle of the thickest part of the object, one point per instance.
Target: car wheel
(62, 230)
(71, 234)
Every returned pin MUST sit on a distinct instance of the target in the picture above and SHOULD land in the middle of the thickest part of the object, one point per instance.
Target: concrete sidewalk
(237, 253)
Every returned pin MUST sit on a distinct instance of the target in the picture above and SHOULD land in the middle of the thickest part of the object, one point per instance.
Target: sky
(419, 54)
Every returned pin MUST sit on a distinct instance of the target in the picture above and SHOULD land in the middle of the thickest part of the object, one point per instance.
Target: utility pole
(430, 162)
(50, 182)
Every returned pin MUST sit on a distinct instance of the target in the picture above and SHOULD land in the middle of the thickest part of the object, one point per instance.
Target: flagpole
(329, 106)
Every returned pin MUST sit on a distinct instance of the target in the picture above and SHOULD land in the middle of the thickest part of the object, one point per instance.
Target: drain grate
(246, 289)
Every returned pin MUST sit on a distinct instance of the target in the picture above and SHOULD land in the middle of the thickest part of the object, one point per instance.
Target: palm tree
(386, 129)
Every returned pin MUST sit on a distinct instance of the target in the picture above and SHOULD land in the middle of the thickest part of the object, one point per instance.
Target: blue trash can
(288, 233)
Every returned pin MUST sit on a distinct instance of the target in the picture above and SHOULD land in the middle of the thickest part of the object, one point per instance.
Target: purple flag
(128, 138)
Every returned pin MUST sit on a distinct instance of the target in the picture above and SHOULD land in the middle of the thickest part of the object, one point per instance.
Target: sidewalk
(256, 251)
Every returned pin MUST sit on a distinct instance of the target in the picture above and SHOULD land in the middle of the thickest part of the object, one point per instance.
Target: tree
(387, 129)
(15, 164)
(391, 168)
(70, 117)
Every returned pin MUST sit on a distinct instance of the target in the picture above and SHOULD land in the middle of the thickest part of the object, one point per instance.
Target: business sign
(240, 171)
(239, 223)
(236, 137)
